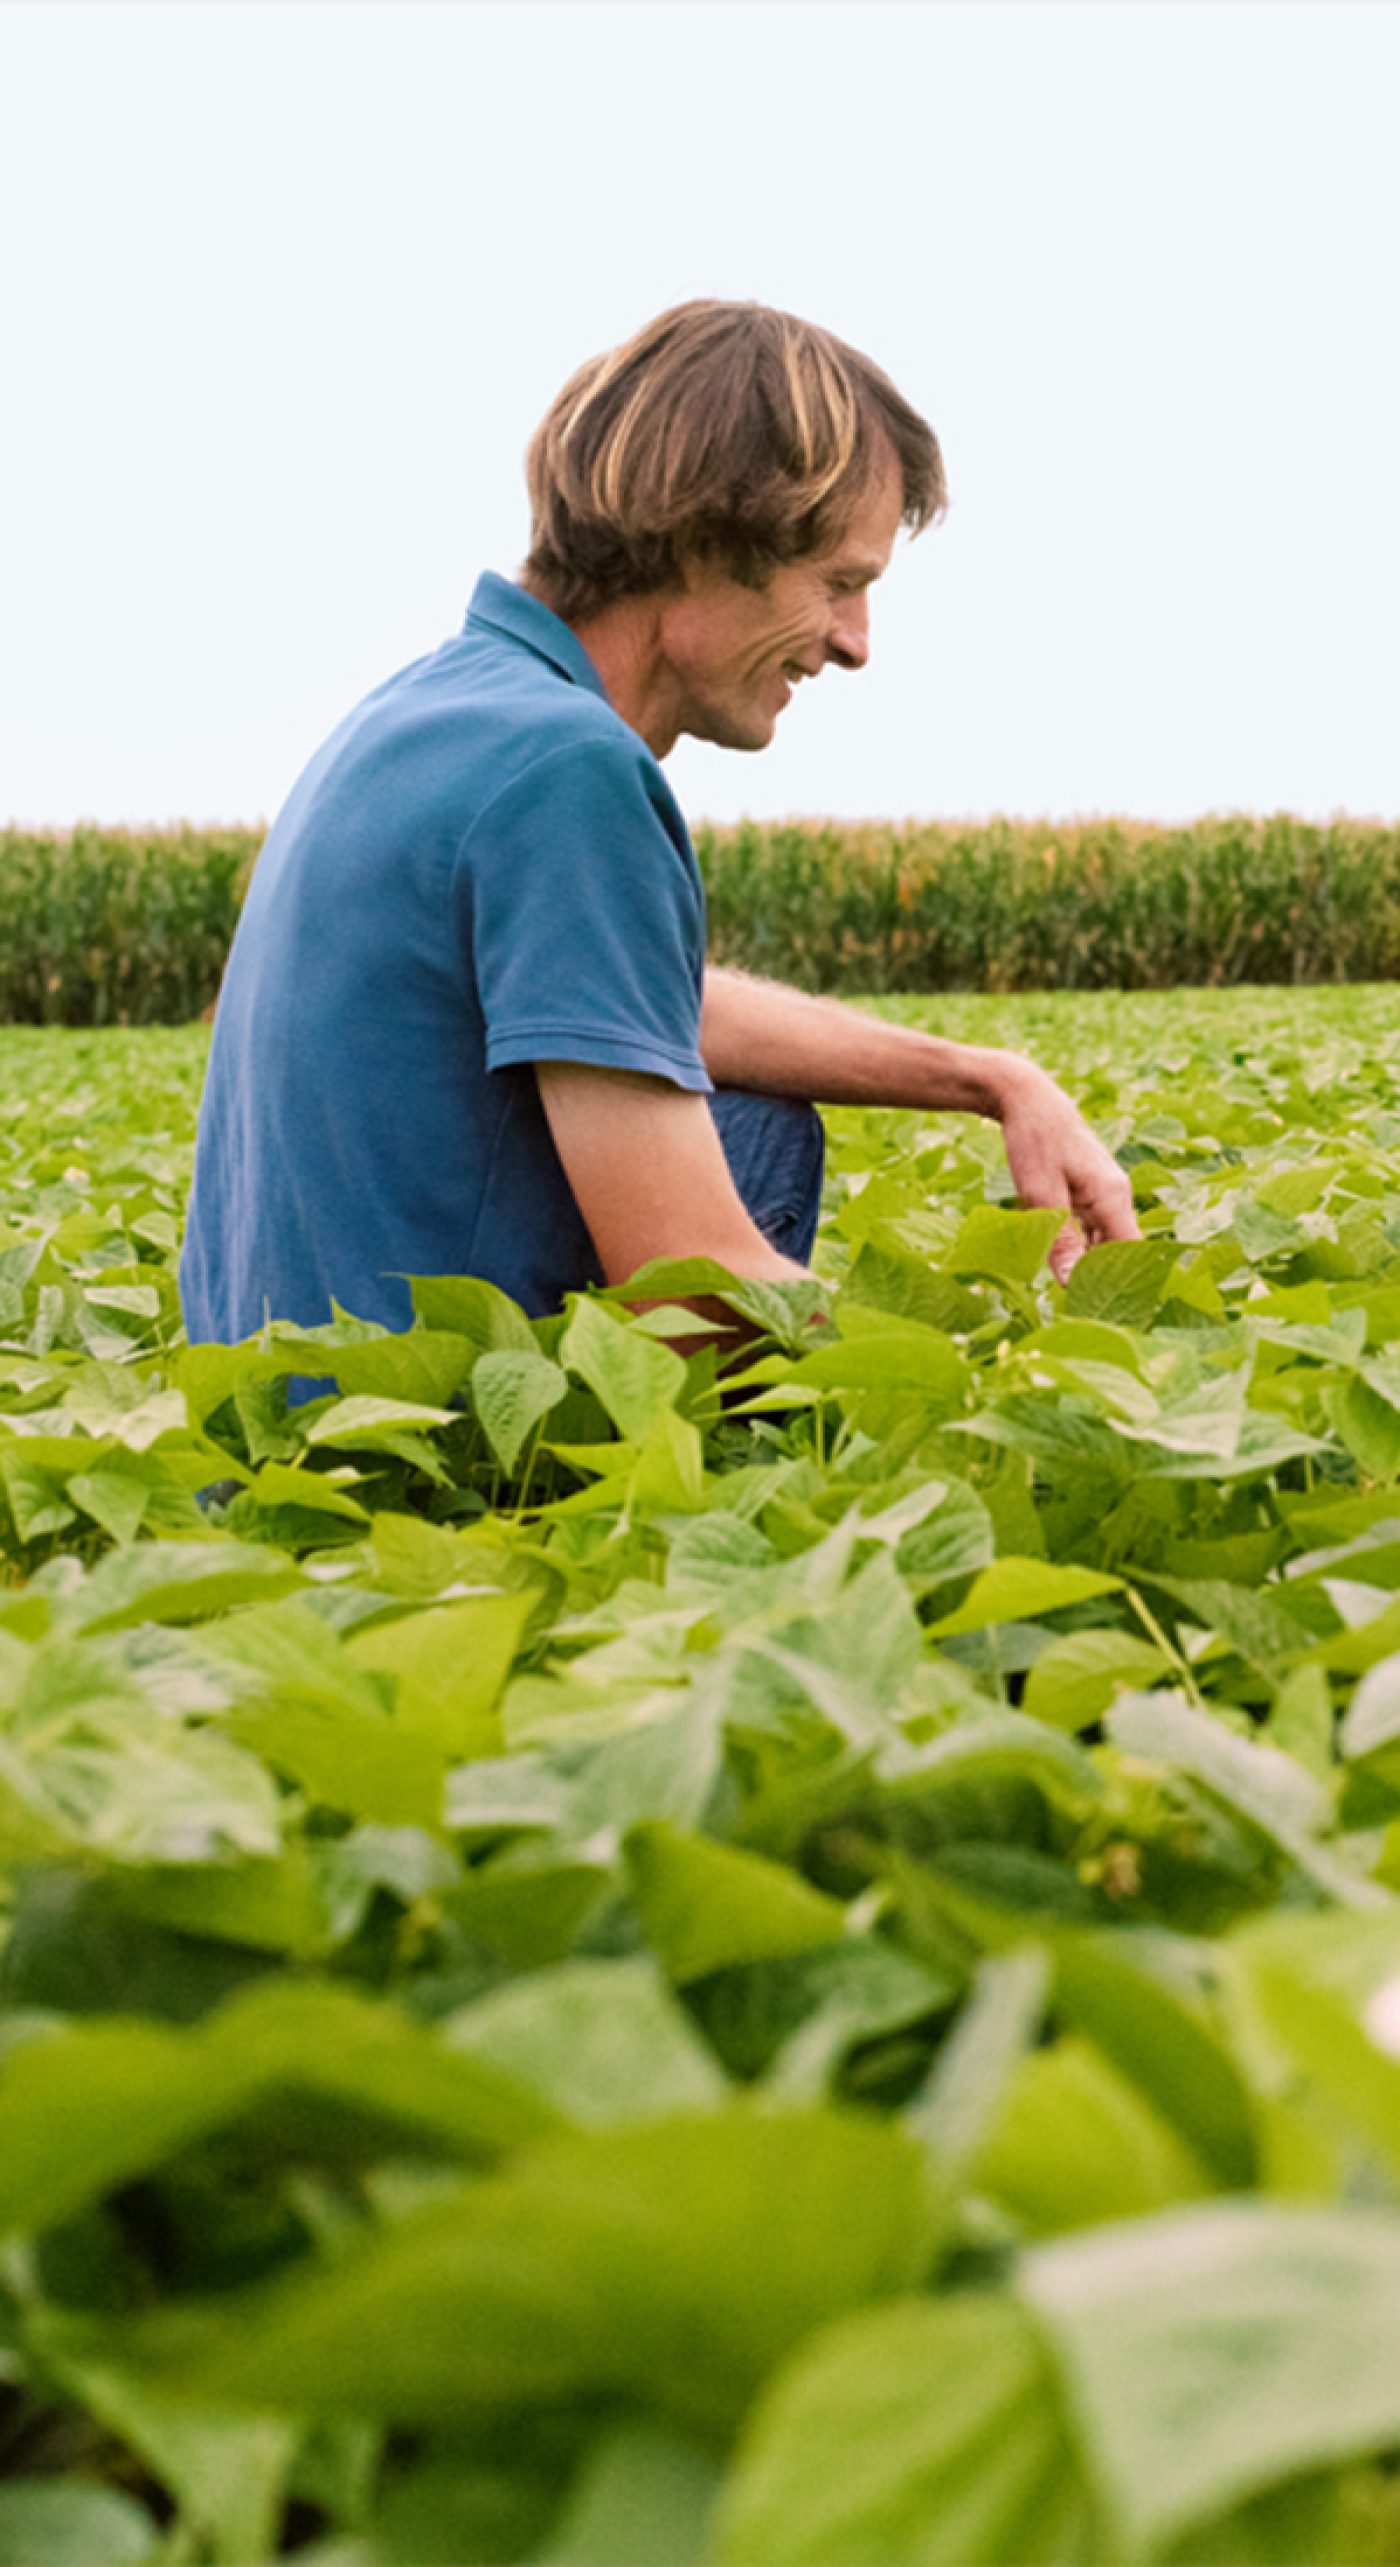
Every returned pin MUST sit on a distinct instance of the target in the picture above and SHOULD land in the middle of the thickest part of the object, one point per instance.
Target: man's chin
(755, 731)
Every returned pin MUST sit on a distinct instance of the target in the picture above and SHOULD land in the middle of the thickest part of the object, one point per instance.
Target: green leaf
(1076, 2143)
(1008, 1246)
(468, 1306)
(876, 1352)
(1370, 1733)
(47, 2522)
(672, 2264)
(427, 1365)
(113, 1499)
(1259, 1626)
(180, 1582)
(512, 1392)
(365, 1765)
(633, 1375)
(644, 2500)
(280, 1484)
(1327, 1992)
(1254, 1781)
(227, 2472)
(364, 1425)
(928, 2434)
(450, 1665)
(1113, 1985)
(1074, 1681)
(1214, 2352)
(1014, 1590)
(705, 1906)
(1123, 1281)
(89, 2107)
(967, 2083)
(603, 2041)
(953, 1541)
(890, 1279)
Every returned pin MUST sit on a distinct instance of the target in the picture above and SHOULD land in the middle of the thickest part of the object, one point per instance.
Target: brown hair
(725, 432)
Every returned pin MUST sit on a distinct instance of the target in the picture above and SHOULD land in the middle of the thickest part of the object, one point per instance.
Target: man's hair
(722, 432)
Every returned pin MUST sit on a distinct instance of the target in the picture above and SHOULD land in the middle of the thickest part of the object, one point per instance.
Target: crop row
(121, 927)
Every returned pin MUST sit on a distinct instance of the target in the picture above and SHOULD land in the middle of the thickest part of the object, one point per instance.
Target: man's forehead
(868, 541)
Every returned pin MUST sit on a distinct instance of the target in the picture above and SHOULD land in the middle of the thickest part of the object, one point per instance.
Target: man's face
(735, 654)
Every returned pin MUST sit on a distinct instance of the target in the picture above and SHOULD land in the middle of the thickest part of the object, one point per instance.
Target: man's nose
(848, 641)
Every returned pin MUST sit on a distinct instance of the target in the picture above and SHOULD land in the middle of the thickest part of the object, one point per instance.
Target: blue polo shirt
(482, 868)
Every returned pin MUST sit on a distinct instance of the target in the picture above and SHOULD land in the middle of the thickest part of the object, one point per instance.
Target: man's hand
(1054, 1158)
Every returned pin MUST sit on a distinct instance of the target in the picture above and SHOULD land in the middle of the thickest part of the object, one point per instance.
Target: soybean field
(599, 1966)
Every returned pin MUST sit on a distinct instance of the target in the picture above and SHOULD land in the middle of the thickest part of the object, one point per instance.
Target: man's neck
(624, 643)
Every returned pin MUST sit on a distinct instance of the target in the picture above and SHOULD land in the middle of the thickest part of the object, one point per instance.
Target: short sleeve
(586, 918)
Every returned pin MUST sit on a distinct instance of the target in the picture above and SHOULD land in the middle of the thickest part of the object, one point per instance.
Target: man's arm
(648, 1172)
(758, 1034)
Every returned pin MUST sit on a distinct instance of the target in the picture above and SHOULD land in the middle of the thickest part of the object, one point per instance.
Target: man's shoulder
(509, 715)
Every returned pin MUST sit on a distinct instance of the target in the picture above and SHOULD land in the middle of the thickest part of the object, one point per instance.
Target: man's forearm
(757, 1034)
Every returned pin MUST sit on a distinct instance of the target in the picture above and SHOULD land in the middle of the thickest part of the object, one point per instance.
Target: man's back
(481, 868)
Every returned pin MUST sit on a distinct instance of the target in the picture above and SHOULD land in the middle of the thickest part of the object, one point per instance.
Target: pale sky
(285, 287)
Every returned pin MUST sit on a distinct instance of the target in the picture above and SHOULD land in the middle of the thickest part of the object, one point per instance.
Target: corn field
(132, 927)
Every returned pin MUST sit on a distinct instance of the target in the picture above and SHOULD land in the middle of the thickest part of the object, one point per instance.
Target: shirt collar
(511, 611)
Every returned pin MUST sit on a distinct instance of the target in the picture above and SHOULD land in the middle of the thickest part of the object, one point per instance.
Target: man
(466, 1025)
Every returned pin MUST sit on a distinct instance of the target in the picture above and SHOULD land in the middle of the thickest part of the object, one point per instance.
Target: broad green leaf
(113, 1499)
(55, 2522)
(1258, 1625)
(397, 1426)
(449, 1664)
(887, 1278)
(461, 2508)
(706, 1906)
(875, 1352)
(952, 1541)
(467, 1306)
(1010, 1246)
(672, 2264)
(87, 2108)
(603, 2041)
(282, 1904)
(1214, 2352)
(180, 1582)
(1075, 2142)
(1370, 1733)
(278, 1484)
(369, 1768)
(227, 2472)
(1123, 1281)
(964, 2090)
(997, 1748)
(827, 2003)
(1368, 1425)
(1074, 1681)
(1253, 1780)
(643, 2499)
(1302, 1722)
(927, 2434)
(669, 1471)
(427, 1365)
(1113, 1986)
(633, 1375)
(1020, 1590)
(1326, 1991)
(673, 1279)
(512, 1391)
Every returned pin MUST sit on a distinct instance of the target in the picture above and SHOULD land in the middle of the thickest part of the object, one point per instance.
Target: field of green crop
(599, 1974)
